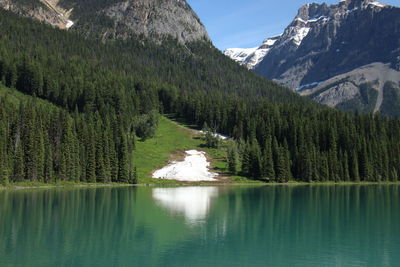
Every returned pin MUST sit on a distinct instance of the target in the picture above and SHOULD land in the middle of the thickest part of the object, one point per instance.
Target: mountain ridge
(116, 19)
(324, 41)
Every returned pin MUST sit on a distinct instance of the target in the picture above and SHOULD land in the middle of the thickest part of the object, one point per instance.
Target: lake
(202, 226)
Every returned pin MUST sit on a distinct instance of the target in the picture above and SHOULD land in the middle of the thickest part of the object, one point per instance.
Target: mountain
(47, 11)
(102, 98)
(341, 55)
(110, 19)
(251, 57)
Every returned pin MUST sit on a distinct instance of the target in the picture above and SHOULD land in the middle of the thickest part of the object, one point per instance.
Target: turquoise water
(202, 226)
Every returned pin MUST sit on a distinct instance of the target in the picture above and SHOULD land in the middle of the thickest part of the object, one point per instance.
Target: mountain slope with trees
(108, 94)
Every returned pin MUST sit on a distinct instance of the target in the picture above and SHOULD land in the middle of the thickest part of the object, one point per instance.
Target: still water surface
(202, 226)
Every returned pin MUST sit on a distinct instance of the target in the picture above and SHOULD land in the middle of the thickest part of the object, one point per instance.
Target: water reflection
(192, 202)
(240, 226)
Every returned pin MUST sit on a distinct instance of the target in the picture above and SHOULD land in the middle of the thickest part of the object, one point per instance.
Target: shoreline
(15, 187)
(22, 186)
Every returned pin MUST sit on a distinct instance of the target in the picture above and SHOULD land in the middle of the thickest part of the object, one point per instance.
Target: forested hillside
(105, 95)
(43, 143)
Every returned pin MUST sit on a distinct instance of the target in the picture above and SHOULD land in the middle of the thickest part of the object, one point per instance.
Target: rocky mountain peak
(360, 4)
(314, 10)
(48, 11)
(110, 19)
(332, 53)
(153, 18)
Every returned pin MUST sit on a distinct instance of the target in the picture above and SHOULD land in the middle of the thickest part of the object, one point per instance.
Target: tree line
(42, 143)
(281, 142)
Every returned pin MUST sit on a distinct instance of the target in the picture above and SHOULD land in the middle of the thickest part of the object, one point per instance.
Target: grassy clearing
(170, 142)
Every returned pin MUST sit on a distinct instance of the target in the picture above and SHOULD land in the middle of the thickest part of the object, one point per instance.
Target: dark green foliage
(123, 159)
(268, 161)
(394, 175)
(147, 125)
(105, 94)
(211, 137)
(255, 169)
(233, 158)
(308, 143)
(48, 165)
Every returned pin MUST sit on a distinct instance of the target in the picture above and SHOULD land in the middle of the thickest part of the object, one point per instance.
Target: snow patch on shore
(195, 168)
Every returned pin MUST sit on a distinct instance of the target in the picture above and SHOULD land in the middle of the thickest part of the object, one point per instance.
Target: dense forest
(82, 104)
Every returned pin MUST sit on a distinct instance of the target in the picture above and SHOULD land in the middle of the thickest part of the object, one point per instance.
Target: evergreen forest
(72, 109)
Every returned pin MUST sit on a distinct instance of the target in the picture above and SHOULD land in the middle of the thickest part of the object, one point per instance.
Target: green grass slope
(169, 143)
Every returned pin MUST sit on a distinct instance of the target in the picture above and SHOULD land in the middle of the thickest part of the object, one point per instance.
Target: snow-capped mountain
(251, 57)
(356, 40)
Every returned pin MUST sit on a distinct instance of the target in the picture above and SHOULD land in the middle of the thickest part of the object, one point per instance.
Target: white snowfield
(195, 168)
(251, 57)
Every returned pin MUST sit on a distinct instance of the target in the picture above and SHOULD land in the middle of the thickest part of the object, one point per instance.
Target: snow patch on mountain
(69, 24)
(239, 54)
(378, 4)
(251, 57)
(300, 34)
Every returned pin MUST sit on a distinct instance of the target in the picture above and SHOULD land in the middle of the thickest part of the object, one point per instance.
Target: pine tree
(346, 172)
(233, 158)
(19, 164)
(4, 168)
(246, 157)
(134, 176)
(324, 168)
(107, 153)
(40, 157)
(100, 163)
(48, 170)
(268, 161)
(305, 165)
(211, 138)
(113, 162)
(355, 172)
(63, 167)
(123, 169)
(11, 76)
(255, 170)
(366, 166)
(76, 158)
(288, 163)
(30, 143)
(282, 164)
(91, 162)
(90, 155)
(394, 177)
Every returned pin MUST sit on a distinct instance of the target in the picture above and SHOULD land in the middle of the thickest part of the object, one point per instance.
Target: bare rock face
(153, 18)
(110, 19)
(42, 10)
(371, 88)
(325, 42)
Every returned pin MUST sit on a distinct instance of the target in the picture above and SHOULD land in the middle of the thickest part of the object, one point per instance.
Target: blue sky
(246, 23)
